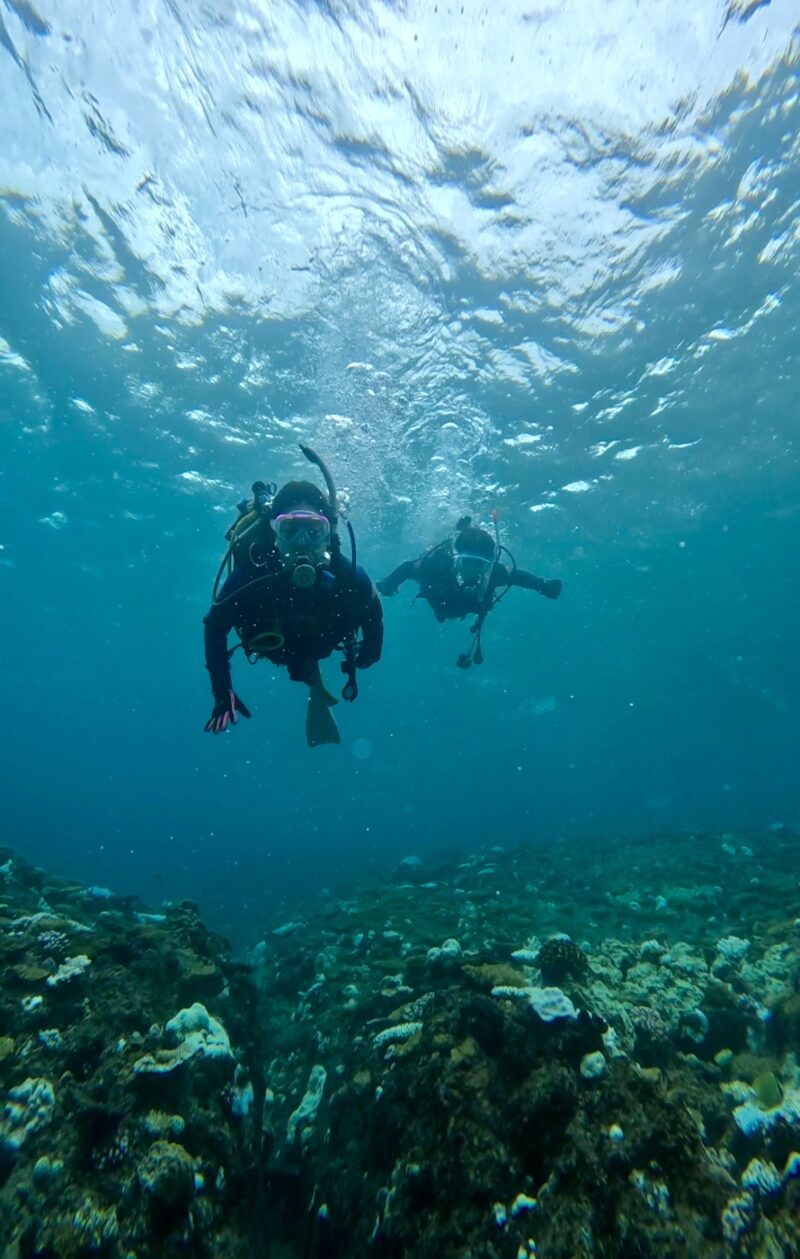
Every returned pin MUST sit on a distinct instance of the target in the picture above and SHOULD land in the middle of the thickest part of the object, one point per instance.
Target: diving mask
(302, 538)
(472, 570)
(302, 528)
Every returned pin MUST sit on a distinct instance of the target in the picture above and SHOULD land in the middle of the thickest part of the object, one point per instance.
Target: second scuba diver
(293, 599)
(463, 576)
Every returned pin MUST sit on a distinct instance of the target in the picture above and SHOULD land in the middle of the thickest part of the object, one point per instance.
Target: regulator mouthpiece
(304, 574)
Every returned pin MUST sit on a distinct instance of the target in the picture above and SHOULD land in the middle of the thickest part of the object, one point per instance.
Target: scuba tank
(250, 539)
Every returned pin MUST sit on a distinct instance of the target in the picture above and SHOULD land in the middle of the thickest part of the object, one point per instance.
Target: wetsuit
(312, 622)
(435, 573)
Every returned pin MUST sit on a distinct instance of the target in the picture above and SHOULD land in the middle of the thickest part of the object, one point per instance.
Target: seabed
(557, 1050)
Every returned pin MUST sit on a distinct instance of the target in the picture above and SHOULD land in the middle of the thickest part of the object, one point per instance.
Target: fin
(313, 679)
(320, 725)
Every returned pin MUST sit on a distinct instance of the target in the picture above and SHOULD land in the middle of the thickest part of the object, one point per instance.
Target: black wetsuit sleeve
(404, 572)
(367, 616)
(372, 630)
(217, 624)
(529, 581)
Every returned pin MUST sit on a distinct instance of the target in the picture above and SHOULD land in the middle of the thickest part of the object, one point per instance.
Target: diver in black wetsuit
(293, 598)
(464, 576)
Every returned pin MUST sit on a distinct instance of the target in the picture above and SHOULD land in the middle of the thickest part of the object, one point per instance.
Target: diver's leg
(320, 725)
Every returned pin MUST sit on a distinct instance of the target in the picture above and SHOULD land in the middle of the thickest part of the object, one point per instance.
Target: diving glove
(225, 713)
(551, 589)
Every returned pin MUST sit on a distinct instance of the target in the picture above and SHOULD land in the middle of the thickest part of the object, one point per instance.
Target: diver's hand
(385, 587)
(225, 713)
(551, 589)
(366, 657)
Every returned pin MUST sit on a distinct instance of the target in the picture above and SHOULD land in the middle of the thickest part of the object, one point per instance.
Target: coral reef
(597, 1065)
(496, 1056)
(99, 1156)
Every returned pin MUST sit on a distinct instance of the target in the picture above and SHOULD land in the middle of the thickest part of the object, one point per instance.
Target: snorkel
(336, 546)
(319, 462)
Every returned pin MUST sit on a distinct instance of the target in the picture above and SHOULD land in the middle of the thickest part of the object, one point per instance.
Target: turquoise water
(533, 258)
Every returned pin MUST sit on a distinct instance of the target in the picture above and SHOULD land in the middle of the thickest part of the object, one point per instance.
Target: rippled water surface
(534, 257)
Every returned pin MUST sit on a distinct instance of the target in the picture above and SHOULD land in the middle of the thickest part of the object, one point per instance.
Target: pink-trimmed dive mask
(302, 528)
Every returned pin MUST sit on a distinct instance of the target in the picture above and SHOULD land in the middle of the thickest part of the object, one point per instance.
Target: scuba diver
(293, 599)
(463, 575)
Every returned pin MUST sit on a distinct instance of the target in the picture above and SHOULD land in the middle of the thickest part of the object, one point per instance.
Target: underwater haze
(527, 257)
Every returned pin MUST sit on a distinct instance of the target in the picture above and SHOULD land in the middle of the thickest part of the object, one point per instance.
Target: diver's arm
(404, 572)
(370, 620)
(216, 627)
(528, 581)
